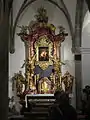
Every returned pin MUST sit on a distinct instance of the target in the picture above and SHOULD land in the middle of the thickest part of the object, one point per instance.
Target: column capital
(76, 50)
(81, 50)
(85, 50)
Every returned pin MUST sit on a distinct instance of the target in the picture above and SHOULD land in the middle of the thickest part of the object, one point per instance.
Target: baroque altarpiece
(43, 57)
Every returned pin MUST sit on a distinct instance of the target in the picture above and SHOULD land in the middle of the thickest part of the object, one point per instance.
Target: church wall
(57, 18)
(85, 69)
(16, 60)
(86, 50)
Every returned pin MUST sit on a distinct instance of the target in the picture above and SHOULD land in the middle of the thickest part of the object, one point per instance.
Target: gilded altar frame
(46, 44)
(39, 37)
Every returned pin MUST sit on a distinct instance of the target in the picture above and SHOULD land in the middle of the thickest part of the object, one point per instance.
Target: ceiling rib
(69, 19)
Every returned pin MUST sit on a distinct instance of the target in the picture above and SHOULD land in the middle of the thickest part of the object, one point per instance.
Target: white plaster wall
(85, 69)
(16, 60)
(57, 18)
(86, 50)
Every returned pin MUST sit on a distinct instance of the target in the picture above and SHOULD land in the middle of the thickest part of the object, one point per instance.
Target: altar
(43, 74)
(42, 97)
(38, 97)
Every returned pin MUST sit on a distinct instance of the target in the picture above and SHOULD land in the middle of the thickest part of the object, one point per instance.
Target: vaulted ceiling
(63, 8)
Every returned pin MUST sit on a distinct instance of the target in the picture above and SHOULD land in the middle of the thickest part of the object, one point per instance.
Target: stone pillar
(76, 49)
(78, 23)
(4, 20)
(85, 66)
(78, 82)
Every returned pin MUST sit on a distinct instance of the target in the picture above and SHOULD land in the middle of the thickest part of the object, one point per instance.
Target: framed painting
(44, 48)
(43, 54)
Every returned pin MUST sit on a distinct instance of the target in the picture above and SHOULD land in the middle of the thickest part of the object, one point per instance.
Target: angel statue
(23, 29)
(62, 31)
(23, 33)
(20, 81)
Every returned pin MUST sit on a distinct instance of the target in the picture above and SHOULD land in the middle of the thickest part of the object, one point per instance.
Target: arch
(25, 4)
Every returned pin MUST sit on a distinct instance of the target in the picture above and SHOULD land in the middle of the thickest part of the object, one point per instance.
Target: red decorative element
(40, 32)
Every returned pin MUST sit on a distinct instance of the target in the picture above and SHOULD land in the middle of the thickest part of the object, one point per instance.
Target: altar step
(41, 104)
(40, 108)
(45, 109)
(37, 115)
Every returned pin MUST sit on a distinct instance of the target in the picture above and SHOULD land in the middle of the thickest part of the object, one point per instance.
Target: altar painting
(43, 54)
(43, 49)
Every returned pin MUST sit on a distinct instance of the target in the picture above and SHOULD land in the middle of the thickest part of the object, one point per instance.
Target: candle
(54, 78)
(35, 78)
(60, 80)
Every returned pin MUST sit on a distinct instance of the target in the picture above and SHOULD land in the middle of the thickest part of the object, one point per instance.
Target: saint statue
(20, 81)
(67, 80)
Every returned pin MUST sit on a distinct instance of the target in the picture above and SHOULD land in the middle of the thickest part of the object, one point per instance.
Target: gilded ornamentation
(44, 85)
(30, 65)
(41, 15)
(44, 48)
(57, 64)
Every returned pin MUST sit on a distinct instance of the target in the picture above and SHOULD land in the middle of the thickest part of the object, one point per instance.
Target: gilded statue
(45, 85)
(20, 81)
(68, 79)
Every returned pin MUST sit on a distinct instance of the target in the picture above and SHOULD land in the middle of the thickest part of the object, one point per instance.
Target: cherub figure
(23, 29)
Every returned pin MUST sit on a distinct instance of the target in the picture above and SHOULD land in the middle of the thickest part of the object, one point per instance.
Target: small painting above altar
(43, 50)
(43, 54)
